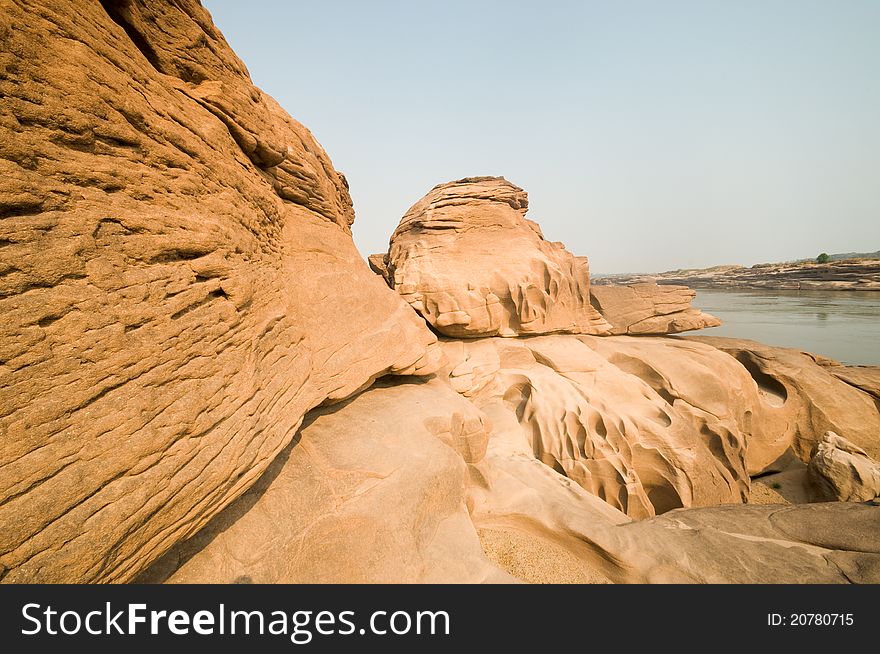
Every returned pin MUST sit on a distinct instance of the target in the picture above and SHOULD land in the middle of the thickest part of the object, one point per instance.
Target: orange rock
(178, 285)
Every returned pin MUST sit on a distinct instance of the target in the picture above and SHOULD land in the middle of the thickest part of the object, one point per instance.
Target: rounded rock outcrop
(466, 258)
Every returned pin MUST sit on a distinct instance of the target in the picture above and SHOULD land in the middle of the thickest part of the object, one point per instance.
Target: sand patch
(536, 560)
(786, 487)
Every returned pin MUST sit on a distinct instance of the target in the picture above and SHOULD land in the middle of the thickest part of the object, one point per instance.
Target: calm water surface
(843, 325)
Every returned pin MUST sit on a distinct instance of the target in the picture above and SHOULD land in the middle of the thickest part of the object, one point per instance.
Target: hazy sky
(649, 135)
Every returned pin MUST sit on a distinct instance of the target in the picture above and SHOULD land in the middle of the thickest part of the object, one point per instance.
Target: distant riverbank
(847, 275)
(842, 325)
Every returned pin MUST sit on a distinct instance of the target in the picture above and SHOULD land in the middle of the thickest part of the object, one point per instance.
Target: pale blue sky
(649, 135)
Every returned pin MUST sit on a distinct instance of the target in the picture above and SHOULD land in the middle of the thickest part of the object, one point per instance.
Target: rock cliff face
(178, 285)
(466, 258)
(649, 309)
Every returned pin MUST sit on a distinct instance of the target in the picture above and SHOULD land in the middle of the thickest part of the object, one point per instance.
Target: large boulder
(841, 472)
(466, 258)
(178, 285)
(649, 308)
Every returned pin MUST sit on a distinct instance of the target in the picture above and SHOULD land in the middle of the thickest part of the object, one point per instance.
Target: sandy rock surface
(647, 424)
(358, 498)
(816, 398)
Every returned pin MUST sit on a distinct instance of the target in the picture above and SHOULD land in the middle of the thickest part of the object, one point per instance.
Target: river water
(843, 325)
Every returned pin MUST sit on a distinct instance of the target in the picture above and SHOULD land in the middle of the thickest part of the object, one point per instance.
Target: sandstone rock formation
(649, 309)
(646, 424)
(377, 265)
(561, 440)
(368, 493)
(815, 397)
(179, 288)
(815, 543)
(178, 285)
(841, 472)
(373, 490)
(864, 378)
(466, 258)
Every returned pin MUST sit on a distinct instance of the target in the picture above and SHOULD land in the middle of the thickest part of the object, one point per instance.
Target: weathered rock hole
(117, 10)
(771, 389)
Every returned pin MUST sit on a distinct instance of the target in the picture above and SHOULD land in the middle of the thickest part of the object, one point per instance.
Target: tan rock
(805, 543)
(469, 262)
(178, 285)
(650, 309)
(864, 378)
(814, 398)
(368, 493)
(813, 543)
(840, 471)
(378, 265)
(646, 424)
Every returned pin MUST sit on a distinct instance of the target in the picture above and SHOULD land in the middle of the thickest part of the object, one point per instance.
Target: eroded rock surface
(178, 285)
(540, 446)
(646, 424)
(466, 258)
(813, 392)
(515, 494)
(374, 490)
(650, 309)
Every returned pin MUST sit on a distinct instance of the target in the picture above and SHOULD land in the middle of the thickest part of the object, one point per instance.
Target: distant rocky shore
(847, 275)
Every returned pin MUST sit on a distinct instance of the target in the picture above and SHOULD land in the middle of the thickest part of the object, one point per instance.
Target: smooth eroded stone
(372, 491)
(645, 424)
(466, 258)
(516, 493)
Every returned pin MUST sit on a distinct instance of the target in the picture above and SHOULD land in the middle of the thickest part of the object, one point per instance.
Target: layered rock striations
(469, 262)
(178, 285)
(375, 490)
(649, 308)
